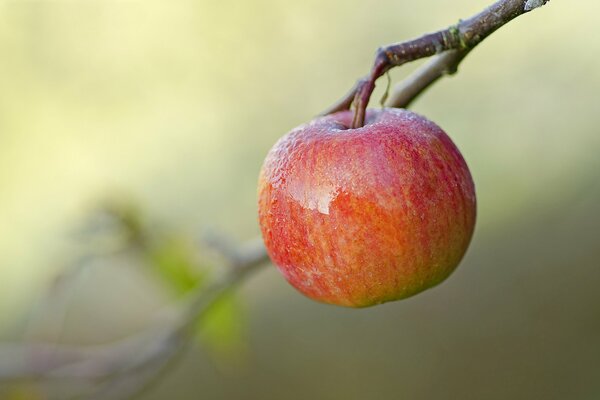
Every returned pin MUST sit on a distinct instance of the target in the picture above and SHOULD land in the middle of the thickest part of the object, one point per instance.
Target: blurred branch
(134, 376)
(127, 366)
(458, 39)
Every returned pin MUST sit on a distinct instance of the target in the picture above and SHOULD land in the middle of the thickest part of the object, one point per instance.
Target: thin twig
(414, 85)
(463, 37)
(345, 102)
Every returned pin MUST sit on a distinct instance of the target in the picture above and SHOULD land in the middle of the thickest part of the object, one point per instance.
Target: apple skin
(358, 217)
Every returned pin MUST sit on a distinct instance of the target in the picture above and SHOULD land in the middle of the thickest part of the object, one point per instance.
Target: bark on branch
(459, 39)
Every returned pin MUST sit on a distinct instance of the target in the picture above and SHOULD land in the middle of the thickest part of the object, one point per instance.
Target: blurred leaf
(174, 261)
(222, 329)
(22, 391)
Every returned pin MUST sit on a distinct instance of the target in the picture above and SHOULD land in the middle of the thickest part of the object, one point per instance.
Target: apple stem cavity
(449, 46)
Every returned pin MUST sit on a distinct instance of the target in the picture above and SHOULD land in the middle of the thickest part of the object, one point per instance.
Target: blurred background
(173, 106)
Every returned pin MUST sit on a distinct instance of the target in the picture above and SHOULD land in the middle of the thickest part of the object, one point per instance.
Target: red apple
(358, 217)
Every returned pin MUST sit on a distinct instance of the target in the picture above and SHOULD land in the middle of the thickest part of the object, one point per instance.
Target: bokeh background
(174, 104)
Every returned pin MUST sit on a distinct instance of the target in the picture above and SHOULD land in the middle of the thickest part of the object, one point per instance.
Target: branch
(130, 380)
(460, 38)
(127, 366)
(408, 90)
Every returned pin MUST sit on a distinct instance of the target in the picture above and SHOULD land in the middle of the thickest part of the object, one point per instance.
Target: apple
(358, 217)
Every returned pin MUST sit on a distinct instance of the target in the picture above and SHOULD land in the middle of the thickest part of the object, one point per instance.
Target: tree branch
(461, 38)
(124, 365)
(414, 85)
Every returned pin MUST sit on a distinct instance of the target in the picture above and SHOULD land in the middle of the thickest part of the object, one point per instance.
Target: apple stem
(450, 46)
(366, 86)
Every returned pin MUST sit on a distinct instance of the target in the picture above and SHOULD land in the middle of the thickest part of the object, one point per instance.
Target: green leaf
(173, 260)
(221, 328)
(21, 391)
